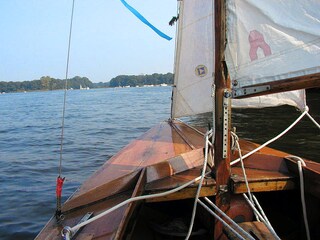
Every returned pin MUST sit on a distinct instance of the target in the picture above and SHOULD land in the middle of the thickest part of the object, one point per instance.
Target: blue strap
(145, 21)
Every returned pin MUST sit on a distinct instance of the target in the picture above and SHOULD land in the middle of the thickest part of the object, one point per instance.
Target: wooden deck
(119, 179)
(261, 180)
(167, 156)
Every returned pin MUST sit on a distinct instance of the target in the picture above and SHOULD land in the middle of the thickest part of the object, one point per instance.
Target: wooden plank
(197, 139)
(167, 183)
(108, 189)
(264, 161)
(158, 144)
(138, 191)
(187, 193)
(261, 180)
(109, 222)
(175, 165)
(257, 230)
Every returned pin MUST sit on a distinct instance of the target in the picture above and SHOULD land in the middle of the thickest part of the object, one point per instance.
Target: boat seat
(261, 180)
(170, 182)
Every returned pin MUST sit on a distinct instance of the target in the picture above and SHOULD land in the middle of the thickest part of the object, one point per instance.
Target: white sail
(194, 66)
(272, 40)
(194, 59)
(293, 98)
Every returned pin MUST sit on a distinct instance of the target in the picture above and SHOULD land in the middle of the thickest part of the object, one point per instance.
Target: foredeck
(167, 156)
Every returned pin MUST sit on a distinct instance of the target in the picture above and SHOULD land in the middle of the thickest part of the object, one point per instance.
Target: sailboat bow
(177, 181)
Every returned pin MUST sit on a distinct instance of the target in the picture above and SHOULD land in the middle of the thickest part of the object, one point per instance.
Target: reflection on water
(260, 125)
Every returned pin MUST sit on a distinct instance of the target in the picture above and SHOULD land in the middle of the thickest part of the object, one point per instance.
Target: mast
(223, 115)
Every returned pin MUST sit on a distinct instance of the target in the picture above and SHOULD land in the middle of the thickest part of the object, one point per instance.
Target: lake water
(98, 124)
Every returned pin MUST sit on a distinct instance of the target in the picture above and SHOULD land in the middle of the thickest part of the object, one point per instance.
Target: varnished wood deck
(167, 156)
(116, 181)
(261, 180)
(167, 183)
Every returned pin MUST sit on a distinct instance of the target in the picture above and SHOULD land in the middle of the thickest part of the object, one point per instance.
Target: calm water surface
(99, 123)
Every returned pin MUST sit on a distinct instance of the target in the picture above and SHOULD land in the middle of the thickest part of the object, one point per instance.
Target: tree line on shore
(141, 80)
(47, 83)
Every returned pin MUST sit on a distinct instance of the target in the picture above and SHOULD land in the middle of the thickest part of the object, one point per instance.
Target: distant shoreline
(47, 83)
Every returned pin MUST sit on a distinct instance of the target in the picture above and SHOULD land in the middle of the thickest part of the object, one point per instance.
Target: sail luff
(174, 103)
(222, 83)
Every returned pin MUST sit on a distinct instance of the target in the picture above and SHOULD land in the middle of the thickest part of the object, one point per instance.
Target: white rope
(301, 163)
(237, 145)
(199, 186)
(213, 95)
(221, 220)
(69, 231)
(253, 199)
(313, 120)
(273, 139)
(303, 201)
(232, 223)
(261, 217)
(261, 211)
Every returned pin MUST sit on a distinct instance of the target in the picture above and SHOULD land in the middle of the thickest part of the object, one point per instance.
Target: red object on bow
(60, 181)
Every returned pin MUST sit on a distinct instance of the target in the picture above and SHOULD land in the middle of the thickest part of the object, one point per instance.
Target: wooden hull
(169, 155)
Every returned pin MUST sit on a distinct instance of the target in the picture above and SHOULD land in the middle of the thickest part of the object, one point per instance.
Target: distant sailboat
(83, 88)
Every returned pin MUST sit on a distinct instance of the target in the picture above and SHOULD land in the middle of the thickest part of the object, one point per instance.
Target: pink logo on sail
(256, 40)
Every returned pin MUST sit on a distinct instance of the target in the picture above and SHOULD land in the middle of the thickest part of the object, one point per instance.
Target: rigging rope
(232, 223)
(222, 221)
(273, 139)
(68, 231)
(261, 217)
(313, 120)
(235, 142)
(301, 163)
(208, 135)
(60, 180)
(252, 200)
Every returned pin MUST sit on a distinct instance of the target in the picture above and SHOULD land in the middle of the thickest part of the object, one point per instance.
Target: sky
(107, 39)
